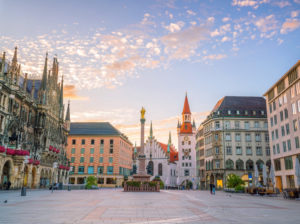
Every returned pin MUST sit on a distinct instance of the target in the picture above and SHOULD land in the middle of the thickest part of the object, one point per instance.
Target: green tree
(233, 181)
(91, 181)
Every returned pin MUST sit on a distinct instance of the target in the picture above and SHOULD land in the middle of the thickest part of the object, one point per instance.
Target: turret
(68, 120)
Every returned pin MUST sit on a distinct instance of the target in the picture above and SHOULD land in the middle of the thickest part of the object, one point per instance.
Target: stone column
(142, 157)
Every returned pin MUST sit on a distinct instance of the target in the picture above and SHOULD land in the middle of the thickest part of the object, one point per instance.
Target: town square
(150, 111)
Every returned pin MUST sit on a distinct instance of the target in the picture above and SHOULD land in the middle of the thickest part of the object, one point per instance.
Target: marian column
(142, 157)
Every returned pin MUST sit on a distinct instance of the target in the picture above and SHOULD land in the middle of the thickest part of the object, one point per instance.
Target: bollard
(23, 191)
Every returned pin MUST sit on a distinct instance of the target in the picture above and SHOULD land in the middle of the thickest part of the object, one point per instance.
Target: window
(228, 150)
(248, 138)
(270, 107)
(273, 135)
(110, 159)
(247, 126)
(238, 150)
(268, 151)
(282, 131)
(92, 141)
(229, 164)
(102, 142)
(216, 137)
(100, 169)
(82, 141)
(239, 164)
(217, 150)
(81, 170)
(295, 125)
(289, 145)
(100, 159)
(284, 146)
(82, 151)
(91, 150)
(237, 137)
(160, 169)
(90, 170)
(286, 113)
(111, 146)
(274, 150)
(276, 133)
(249, 165)
(298, 88)
(278, 148)
(256, 124)
(73, 150)
(73, 141)
(277, 165)
(294, 108)
(292, 92)
(189, 142)
(280, 101)
(217, 164)
(281, 115)
(266, 124)
(227, 124)
(258, 151)
(228, 137)
(275, 119)
(110, 170)
(274, 105)
(267, 137)
(248, 150)
(257, 137)
(217, 125)
(72, 159)
(182, 143)
(81, 159)
(186, 173)
(287, 128)
(91, 159)
(297, 144)
(237, 124)
(288, 163)
(182, 164)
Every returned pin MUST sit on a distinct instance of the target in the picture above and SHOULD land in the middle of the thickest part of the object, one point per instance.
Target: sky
(117, 56)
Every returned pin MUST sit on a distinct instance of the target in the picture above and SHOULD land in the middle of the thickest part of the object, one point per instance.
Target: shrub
(91, 181)
(239, 188)
(234, 181)
(152, 183)
(134, 183)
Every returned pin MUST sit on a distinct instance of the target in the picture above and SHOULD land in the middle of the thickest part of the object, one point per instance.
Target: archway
(150, 168)
(6, 172)
(33, 178)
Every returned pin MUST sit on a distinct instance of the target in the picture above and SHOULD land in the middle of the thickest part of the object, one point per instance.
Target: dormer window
(246, 112)
(262, 112)
(237, 112)
(229, 112)
(254, 112)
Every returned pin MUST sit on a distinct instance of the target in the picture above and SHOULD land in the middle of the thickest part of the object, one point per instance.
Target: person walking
(213, 189)
(210, 187)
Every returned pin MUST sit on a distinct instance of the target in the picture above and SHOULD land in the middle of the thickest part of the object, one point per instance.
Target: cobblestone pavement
(115, 206)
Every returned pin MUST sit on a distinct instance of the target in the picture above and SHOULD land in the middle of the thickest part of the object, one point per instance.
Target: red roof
(186, 107)
(186, 128)
(173, 152)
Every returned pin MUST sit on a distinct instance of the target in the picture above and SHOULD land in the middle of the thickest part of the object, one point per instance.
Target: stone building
(283, 105)
(33, 131)
(160, 160)
(98, 149)
(200, 156)
(186, 165)
(235, 139)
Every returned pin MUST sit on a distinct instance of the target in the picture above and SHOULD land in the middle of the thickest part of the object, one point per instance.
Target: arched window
(260, 164)
(211, 165)
(249, 165)
(160, 170)
(208, 165)
(239, 164)
(229, 164)
(150, 168)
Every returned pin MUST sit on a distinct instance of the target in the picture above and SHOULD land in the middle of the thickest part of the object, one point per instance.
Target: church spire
(186, 106)
(170, 139)
(44, 79)
(61, 97)
(68, 112)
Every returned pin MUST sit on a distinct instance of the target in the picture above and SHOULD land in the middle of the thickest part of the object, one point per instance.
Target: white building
(161, 160)
(186, 165)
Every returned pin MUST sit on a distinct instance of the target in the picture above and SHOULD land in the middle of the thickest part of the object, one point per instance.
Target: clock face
(186, 153)
(186, 138)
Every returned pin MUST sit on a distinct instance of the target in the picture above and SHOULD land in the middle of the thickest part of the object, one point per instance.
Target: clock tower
(186, 166)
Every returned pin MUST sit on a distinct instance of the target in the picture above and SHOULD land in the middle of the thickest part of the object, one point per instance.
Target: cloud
(174, 27)
(182, 44)
(294, 14)
(225, 19)
(249, 3)
(282, 4)
(289, 25)
(297, 1)
(71, 93)
(215, 56)
(225, 39)
(190, 12)
(266, 24)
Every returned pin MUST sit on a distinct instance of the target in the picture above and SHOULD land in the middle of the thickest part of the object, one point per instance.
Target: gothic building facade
(33, 129)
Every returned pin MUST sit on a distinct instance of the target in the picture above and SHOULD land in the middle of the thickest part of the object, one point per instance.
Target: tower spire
(151, 131)
(186, 106)
(44, 79)
(68, 112)
(15, 58)
(61, 97)
(170, 139)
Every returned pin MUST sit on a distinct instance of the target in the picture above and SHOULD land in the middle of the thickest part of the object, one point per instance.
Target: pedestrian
(210, 187)
(4, 185)
(8, 185)
(214, 189)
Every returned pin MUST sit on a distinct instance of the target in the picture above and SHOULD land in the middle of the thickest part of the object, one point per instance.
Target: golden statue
(143, 111)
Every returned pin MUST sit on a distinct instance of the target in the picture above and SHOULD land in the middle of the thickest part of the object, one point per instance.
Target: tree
(91, 181)
(233, 181)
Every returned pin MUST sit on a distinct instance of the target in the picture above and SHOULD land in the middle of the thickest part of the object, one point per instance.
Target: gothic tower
(186, 166)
